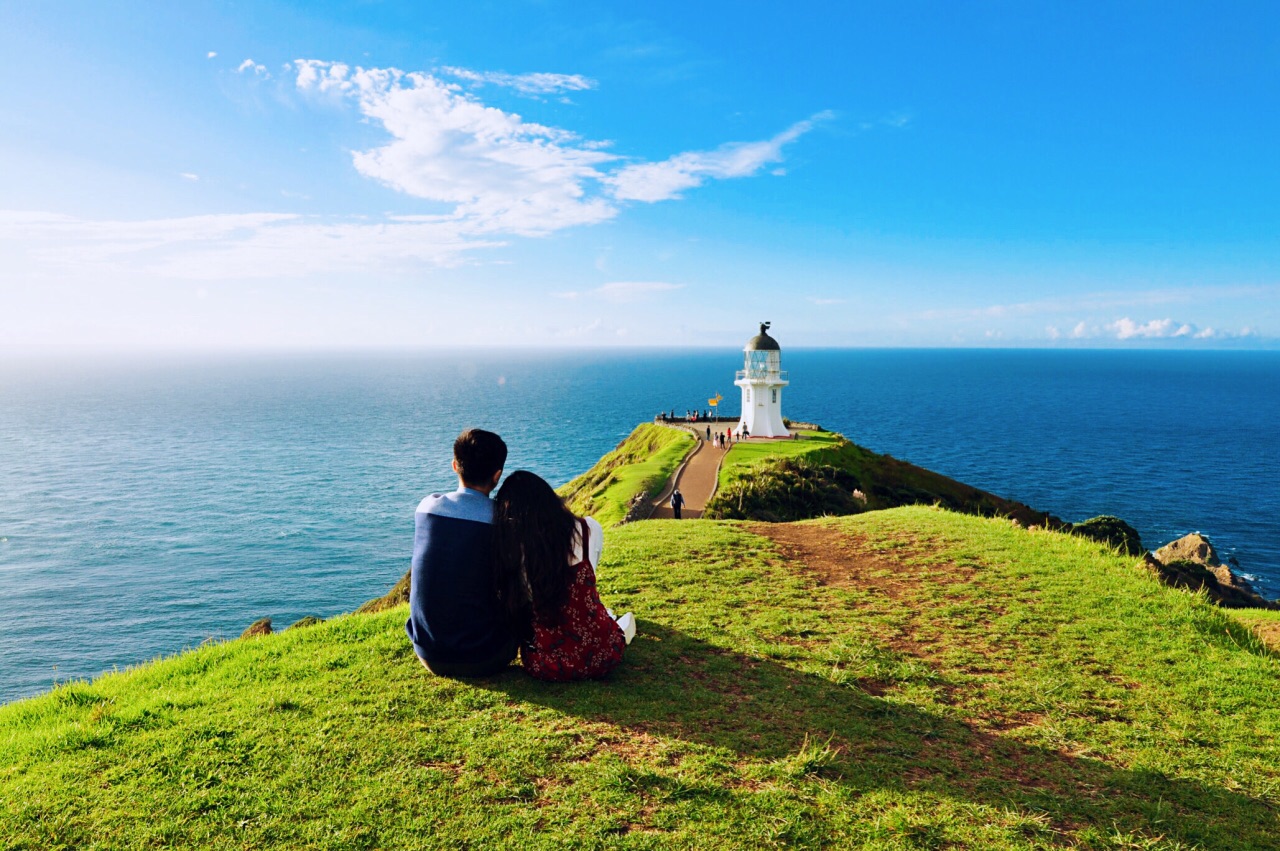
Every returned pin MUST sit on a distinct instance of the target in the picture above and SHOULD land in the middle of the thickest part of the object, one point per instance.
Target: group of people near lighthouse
(496, 575)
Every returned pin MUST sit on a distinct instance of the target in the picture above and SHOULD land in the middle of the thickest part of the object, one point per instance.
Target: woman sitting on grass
(546, 580)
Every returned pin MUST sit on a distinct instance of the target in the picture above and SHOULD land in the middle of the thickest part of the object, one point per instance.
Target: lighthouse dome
(762, 342)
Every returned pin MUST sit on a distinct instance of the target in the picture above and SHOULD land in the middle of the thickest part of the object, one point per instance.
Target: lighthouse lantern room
(762, 380)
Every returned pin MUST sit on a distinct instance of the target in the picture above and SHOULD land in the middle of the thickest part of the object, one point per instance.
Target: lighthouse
(762, 380)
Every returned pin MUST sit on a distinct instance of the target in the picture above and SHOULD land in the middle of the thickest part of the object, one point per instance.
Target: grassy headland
(911, 678)
(895, 679)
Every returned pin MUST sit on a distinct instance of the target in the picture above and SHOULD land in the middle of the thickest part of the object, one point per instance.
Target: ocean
(148, 504)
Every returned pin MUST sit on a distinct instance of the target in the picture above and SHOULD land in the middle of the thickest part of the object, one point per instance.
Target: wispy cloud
(526, 84)
(212, 54)
(253, 245)
(188, 175)
(667, 179)
(258, 70)
(824, 301)
(500, 172)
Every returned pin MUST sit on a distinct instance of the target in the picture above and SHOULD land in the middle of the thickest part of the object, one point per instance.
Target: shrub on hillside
(788, 490)
(398, 595)
(1111, 530)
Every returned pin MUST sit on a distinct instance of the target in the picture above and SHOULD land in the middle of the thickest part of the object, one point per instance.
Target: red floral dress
(584, 642)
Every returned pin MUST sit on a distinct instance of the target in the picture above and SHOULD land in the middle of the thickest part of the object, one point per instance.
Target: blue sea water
(149, 504)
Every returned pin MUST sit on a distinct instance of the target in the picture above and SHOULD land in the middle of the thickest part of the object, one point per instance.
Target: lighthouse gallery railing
(760, 375)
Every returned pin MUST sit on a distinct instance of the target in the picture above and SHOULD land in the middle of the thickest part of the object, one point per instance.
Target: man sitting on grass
(455, 623)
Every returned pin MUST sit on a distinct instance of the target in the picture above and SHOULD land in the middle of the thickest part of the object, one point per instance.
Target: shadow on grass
(675, 685)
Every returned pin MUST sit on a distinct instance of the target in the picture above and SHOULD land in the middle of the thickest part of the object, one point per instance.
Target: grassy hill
(909, 678)
(639, 466)
(818, 474)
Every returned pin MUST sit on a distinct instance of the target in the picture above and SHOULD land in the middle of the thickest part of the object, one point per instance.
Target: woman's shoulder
(595, 533)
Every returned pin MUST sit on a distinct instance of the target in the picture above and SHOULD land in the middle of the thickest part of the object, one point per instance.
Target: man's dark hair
(479, 454)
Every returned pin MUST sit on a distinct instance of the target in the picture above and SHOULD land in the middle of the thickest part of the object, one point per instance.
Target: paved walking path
(697, 480)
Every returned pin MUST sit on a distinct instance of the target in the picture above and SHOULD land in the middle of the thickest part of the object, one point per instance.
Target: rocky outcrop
(1192, 562)
(1194, 547)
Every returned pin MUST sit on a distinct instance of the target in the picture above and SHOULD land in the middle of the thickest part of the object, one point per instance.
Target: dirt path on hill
(836, 558)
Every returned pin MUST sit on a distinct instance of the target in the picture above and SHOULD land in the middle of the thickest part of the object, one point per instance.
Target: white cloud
(1167, 329)
(187, 175)
(211, 54)
(667, 179)
(527, 84)
(1053, 332)
(499, 172)
(823, 301)
(229, 246)
(1127, 329)
(250, 65)
(1080, 331)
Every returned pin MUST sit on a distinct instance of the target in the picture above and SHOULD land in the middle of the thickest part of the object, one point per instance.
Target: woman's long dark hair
(533, 540)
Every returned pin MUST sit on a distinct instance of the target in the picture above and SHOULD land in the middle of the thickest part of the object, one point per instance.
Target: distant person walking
(708, 432)
(677, 502)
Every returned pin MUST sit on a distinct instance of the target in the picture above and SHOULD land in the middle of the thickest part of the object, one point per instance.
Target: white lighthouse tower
(762, 380)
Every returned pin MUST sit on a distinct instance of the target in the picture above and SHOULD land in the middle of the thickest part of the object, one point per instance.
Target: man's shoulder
(459, 505)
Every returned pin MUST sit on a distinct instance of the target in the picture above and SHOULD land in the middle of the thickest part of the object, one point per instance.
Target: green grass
(978, 686)
(742, 457)
(1261, 616)
(816, 476)
(640, 464)
(1262, 621)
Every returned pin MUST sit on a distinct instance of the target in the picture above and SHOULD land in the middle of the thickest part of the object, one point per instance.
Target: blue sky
(353, 175)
